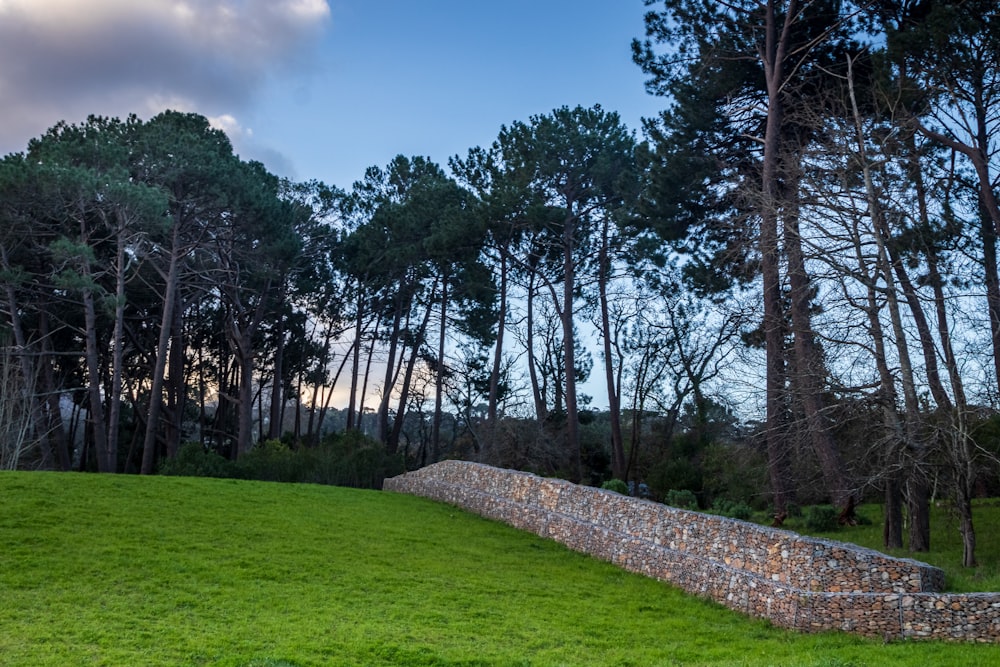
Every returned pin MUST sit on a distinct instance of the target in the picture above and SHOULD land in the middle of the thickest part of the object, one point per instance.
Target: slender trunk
(176, 385)
(274, 427)
(317, 394)
(59, 441)
(963, 467)
(778, 450)
(810, 370)
(916, 454)
(937, 284)
(390, 369)
(968, 531)
(96, 409)
(541, 412)
(900, 434)
(990, 225)
(916, 486)
(118, 352)
(202, 397)
(242, 341)
(614, 402)
(244, 403)
(439, 380)
(355, 365)
(364, 383)
(392, 445)
(92, 357)
(569, 347)
(333, 384)
(311, 425)
(892, 527)
(28, 371)
(149, 446)
(258, 396)
(992, 282)
(494, 395)
(297, 426)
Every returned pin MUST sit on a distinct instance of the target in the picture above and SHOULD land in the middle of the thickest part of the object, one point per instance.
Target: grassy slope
(116, 570)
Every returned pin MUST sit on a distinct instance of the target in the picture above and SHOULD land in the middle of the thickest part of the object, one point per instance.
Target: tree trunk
(244, 403)
(242, 345)
(439, 380)
(569, 351)
(777, 446)
(901, 435)
(118, 351)
(992, 282)
(390, 372)
(352, 424)
(892, 525)
(392, 445)
(614, 403)
(364, 382)
(37, 410)
(494, 395)
(176, 383)
(810, 371)
(96, 410)
(149, 446)
(541, 411)
(274, 427)
(55, 430)
(333, 385)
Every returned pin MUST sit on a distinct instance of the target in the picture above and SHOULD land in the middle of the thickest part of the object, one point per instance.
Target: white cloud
(232, 127)
(65, 59)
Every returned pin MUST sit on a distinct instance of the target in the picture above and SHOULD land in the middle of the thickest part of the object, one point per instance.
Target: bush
(270, 461)
(192, 460)
(617, 486)
(348, 459)
(352, 459)
(733, 509)
(735, 470)
(821, 518)
(682, 498)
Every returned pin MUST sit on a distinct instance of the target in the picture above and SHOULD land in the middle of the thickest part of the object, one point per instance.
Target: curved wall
(796, 582)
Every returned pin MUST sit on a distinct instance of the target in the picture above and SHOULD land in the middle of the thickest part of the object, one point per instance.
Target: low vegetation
(123, 570)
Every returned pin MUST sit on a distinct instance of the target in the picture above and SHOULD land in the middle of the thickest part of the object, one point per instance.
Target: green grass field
(127, 571)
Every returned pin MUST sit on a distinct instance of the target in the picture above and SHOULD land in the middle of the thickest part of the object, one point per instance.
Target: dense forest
(786, 284)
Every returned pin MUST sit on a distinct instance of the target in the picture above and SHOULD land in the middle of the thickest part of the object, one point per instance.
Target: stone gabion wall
(795, 582)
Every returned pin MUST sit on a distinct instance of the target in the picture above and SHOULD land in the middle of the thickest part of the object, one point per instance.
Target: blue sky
(320, 88)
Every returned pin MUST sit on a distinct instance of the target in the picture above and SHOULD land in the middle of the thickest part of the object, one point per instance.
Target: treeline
(788, 287)
(844, 155)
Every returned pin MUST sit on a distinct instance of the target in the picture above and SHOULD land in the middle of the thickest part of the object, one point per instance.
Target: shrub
(617, 486)
(270, 461)
(682, 498)
(821, 518)
(678, 473)
(732, 508)
(192, 460)
(351, 459)
(735, 470)
(348, 459)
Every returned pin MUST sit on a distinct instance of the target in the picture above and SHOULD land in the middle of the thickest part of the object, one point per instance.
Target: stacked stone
(796, 582)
